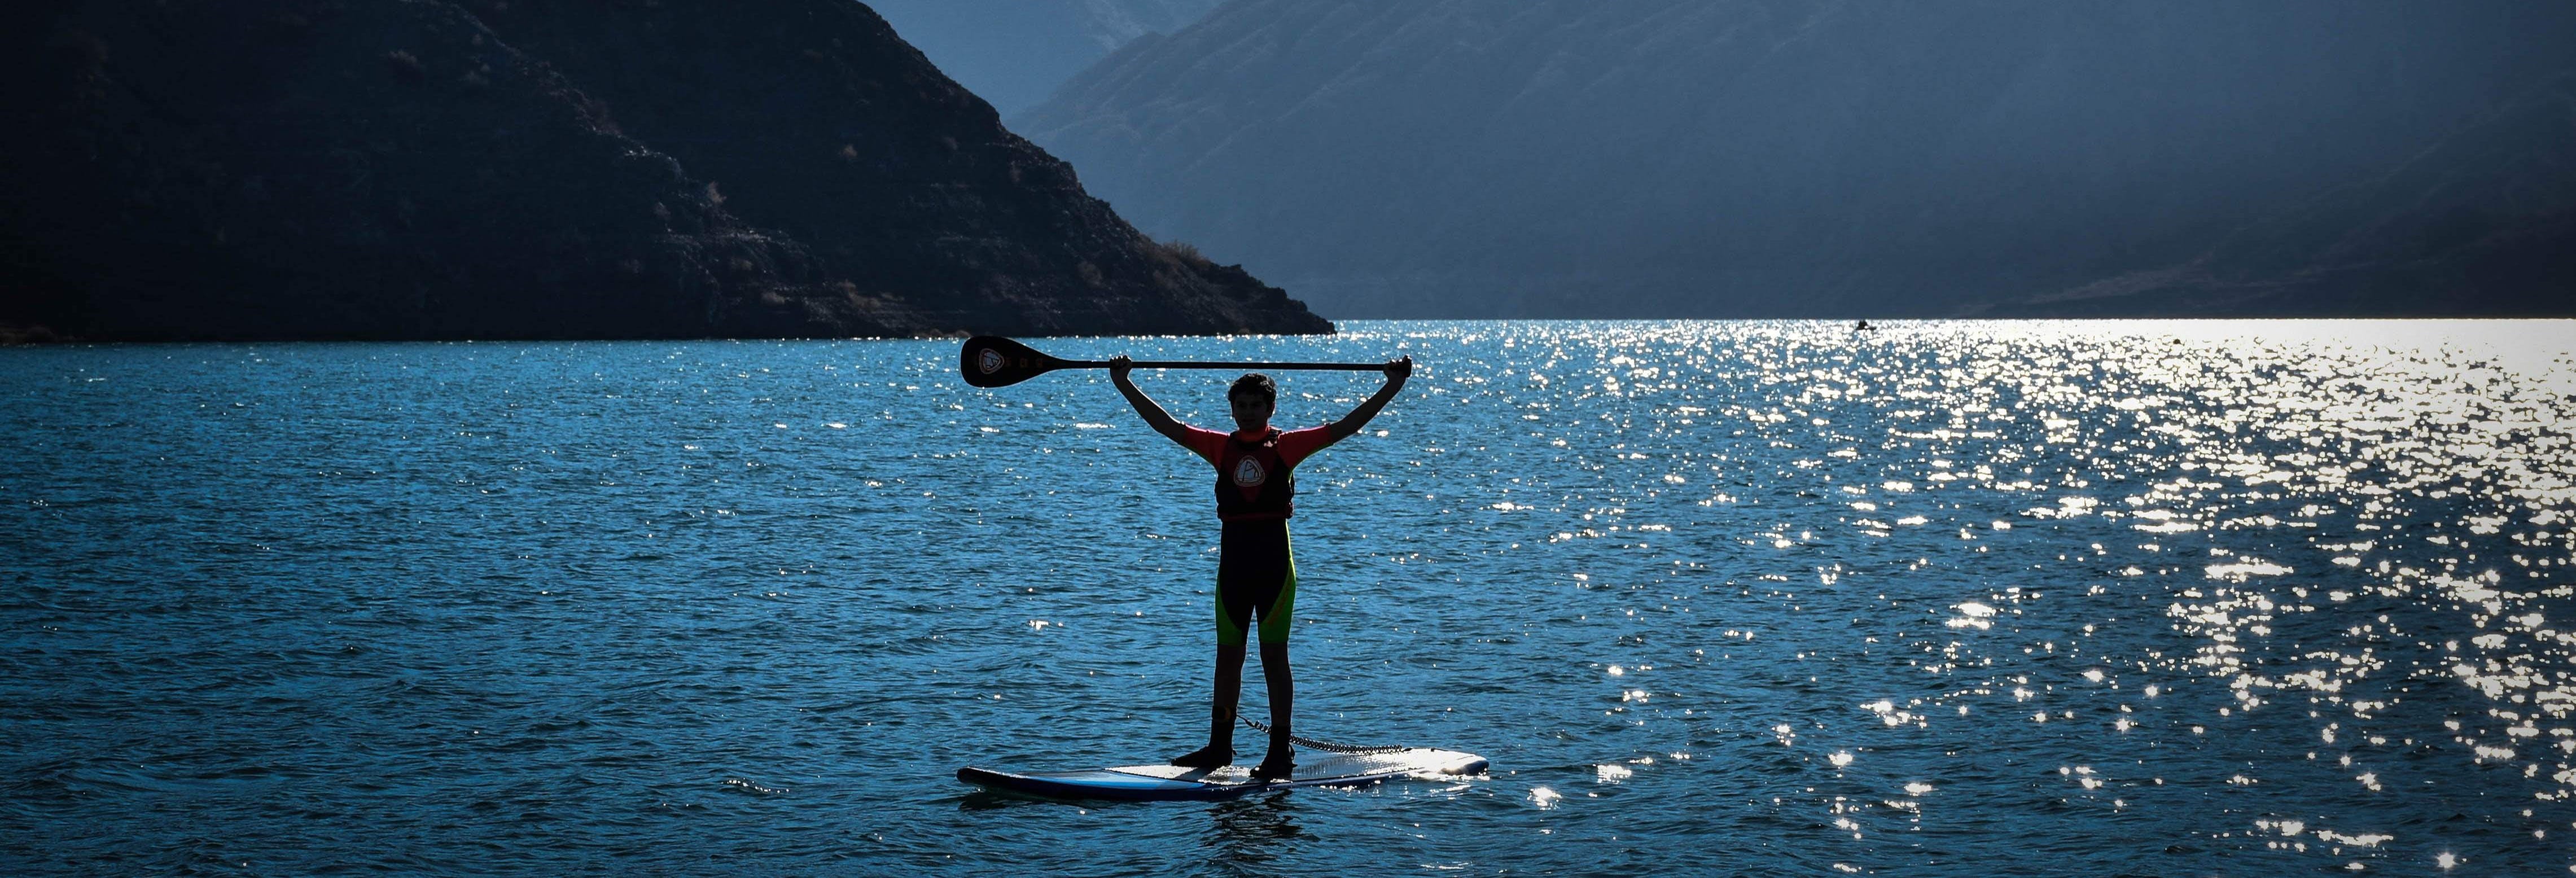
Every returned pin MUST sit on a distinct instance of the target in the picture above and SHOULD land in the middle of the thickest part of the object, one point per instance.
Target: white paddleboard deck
(1175, 782)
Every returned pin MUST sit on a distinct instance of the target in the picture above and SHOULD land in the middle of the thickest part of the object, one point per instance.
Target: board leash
(1326, 746)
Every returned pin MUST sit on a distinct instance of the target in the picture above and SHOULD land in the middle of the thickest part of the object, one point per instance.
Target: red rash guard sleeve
(1294, 445)
(1208, 443)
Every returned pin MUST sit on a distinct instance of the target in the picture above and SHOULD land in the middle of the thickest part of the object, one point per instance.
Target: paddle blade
(993, 361)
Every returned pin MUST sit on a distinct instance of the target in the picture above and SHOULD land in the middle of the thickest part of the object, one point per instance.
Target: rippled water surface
(1943, 598)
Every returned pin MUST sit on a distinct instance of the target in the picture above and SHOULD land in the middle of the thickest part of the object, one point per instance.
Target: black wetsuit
(1256, 570)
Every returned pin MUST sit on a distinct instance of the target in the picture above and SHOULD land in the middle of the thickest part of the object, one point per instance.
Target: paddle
(992, 361)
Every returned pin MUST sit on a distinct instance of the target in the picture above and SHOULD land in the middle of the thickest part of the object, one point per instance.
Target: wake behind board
(1148, 782)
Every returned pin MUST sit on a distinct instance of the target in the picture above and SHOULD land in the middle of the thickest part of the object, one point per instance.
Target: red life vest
(1252, 482)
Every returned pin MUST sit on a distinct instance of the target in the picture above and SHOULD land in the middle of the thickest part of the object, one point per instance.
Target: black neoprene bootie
(1280, 764)
(1210, 756)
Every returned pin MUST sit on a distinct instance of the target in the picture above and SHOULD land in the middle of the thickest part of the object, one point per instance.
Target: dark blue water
(1946, 599)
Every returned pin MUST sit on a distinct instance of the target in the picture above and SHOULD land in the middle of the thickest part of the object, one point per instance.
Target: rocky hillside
(1772, 157)
(535, 169)
(1015, 53)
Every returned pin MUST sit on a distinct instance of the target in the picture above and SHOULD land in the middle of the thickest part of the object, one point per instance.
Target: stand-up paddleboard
(1175, 782)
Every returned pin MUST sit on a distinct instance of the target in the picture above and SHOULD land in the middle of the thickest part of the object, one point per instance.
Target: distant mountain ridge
(1014, 53)
(1667, 158)
(282, 169)
(2481, 224)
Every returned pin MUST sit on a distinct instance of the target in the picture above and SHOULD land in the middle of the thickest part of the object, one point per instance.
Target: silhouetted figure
(1256, 576)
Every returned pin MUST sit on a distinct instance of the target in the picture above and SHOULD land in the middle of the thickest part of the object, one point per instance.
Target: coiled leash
(1326, 746)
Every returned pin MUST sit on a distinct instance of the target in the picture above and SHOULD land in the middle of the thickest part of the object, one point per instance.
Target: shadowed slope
(385, 169)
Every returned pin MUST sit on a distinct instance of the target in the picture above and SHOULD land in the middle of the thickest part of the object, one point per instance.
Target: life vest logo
(991, 361)
(1248, 473)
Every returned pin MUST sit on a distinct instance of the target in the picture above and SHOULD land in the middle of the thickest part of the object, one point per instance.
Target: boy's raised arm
(1351, 423)
(1155, 417)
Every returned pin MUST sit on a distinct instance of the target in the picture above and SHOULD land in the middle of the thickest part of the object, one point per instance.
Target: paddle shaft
(1186, 364)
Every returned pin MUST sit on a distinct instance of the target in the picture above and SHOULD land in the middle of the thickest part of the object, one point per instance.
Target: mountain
(1707, 158)
(536, 169)
(2479, 225)
(1016, 52)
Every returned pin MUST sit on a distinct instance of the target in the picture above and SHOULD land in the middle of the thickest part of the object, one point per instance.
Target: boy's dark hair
(1254, 384)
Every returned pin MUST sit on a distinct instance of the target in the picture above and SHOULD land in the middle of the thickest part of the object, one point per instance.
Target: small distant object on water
(1862, 326)
(1155, 782)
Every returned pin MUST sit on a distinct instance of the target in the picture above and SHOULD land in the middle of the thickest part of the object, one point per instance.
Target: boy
(1256, 574)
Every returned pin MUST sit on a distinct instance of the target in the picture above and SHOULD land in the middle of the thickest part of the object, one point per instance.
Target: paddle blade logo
(990, 361)
(1248, 474)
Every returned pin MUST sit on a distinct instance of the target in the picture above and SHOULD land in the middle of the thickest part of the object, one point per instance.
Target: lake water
(1714, 598)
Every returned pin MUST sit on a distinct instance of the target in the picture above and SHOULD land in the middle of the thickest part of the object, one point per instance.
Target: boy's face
(1250, 412)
